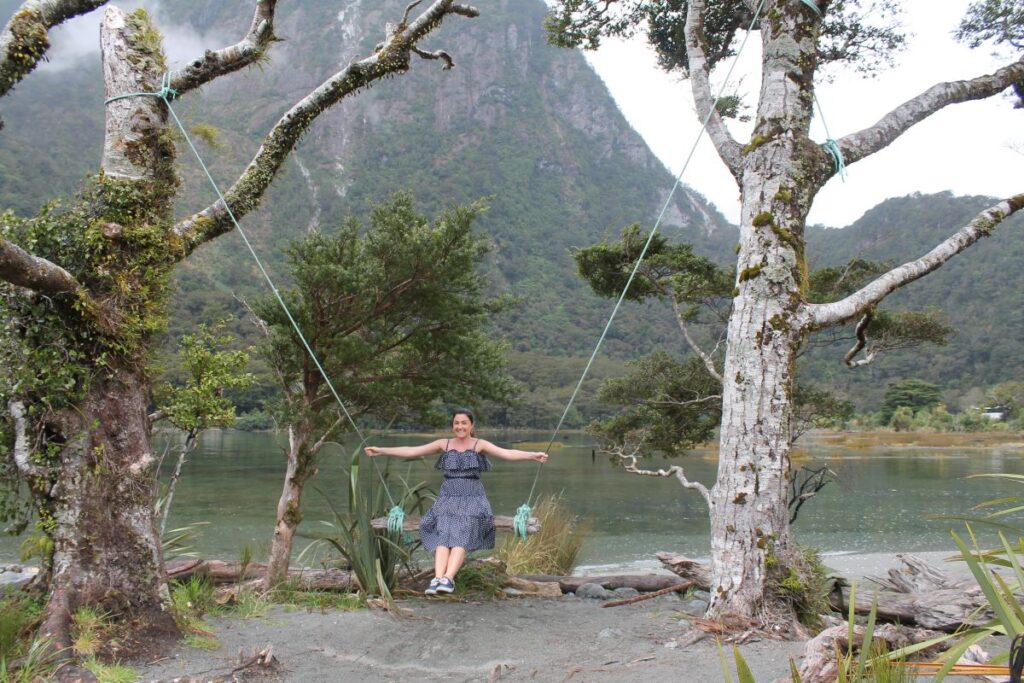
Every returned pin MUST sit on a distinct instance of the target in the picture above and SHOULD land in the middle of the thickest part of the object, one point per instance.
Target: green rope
(830, 145)
(396, 519)
(167, 93)
(643, 253)
(813, 6)
(520, 521)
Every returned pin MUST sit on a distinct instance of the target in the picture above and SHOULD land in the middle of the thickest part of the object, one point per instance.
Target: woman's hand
(373, 451)
(539, 456)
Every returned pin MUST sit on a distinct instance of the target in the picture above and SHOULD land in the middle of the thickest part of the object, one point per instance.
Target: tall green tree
(915, 394)
(398, 317)
(778, 171)
(86, 291)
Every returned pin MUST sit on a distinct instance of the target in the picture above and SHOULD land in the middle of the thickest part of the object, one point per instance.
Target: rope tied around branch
(165, 93)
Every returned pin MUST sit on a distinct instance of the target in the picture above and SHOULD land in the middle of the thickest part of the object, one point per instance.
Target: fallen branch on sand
(647, 596)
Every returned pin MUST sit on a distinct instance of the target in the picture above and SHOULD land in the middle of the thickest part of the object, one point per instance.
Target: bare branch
(156, 417)
(844, 310)
(325, 437)
(630, 464)
(25, 39)
(682, 404)
(22, 450)
(246, 193)
(700, 83)
(21, 268)
(709, 362)
(857, 146)
(862, 340)
(247, 51)
(436, 54)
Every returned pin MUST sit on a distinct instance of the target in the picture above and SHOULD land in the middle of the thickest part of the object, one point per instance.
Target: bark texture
(301, 458)
(749, 517)
(105, 548)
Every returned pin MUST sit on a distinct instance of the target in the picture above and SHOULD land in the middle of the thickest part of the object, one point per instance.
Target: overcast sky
(965, 148)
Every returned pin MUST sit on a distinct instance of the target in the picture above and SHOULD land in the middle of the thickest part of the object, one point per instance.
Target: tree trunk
(749, 502)
(289, 507)
(98, 511)
(106, 551)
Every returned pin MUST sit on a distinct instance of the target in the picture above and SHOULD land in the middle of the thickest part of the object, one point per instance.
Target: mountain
(527, 125)
(980, 291)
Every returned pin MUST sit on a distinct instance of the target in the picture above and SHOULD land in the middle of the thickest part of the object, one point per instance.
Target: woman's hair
(468, 413)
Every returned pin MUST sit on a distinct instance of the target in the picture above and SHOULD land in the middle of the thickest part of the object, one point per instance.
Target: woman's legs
(455, 558)
(441, 555)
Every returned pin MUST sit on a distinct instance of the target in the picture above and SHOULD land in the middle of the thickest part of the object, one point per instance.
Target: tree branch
(391, 57)
(844, 310)
(862, 340)
(21, 268)
(630, 464)
(859, 145)
(709, 362)
(25, 39)
(247, 51)
(700, 83)
(22, 450)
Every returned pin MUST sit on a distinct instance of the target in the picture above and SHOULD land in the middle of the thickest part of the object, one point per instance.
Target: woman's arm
(406, 451)
(488, 448)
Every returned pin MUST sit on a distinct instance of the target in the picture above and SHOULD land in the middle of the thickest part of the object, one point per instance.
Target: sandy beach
(516, 639)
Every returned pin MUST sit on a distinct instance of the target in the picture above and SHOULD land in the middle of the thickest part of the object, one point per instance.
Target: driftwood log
(819, 663)
(917, 593)
(691, 570)
(503, 522)
(221, 572)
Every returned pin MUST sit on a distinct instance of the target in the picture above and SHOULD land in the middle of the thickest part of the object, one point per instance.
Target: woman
(460, 520)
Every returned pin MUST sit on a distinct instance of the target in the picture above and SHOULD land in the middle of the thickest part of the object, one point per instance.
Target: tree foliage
(213, 370)
(396, 313)
(669, 404)
(913, 394)
(865, 34)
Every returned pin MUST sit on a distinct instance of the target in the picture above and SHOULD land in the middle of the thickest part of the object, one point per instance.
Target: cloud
(77, 41)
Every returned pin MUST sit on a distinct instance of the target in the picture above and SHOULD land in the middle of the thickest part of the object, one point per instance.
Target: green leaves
(395, 312)
(201, 402)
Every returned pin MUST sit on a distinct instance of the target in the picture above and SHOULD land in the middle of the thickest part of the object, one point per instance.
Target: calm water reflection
(881, 503)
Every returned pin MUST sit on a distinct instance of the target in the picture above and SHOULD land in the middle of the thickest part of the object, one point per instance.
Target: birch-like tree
(86, 290)
(779, 171)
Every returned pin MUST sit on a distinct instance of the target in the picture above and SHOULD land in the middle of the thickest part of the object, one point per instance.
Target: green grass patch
(290, 595)
(110, 673)
(20, 617)
(481, 579)
(553, 549)
(202, 641)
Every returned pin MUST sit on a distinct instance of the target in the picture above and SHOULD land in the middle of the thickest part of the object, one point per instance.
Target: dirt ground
(516, 639)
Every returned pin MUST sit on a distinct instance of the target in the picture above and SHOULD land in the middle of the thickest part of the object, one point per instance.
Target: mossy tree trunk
(86, 291)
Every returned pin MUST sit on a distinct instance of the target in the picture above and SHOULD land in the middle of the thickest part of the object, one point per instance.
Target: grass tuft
(553, 549)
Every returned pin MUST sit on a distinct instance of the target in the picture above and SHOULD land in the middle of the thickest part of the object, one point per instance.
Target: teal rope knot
(832, 147)
(813, 6)
(396, 519)
(165, 93)
(520, 520)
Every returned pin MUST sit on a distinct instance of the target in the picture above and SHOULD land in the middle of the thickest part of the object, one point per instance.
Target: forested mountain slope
(527, 125)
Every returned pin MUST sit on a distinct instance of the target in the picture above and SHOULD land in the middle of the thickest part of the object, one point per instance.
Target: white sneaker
(434, 585)
(445, 585)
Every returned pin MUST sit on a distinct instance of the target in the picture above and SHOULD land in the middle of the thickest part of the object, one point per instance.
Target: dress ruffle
(461, 461)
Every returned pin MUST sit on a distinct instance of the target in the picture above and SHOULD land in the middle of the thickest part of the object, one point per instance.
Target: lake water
(882, 502)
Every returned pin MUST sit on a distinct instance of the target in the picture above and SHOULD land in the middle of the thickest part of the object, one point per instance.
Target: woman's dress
(461, 516)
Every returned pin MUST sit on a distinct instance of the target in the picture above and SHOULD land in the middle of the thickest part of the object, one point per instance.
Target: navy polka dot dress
(461, 516)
